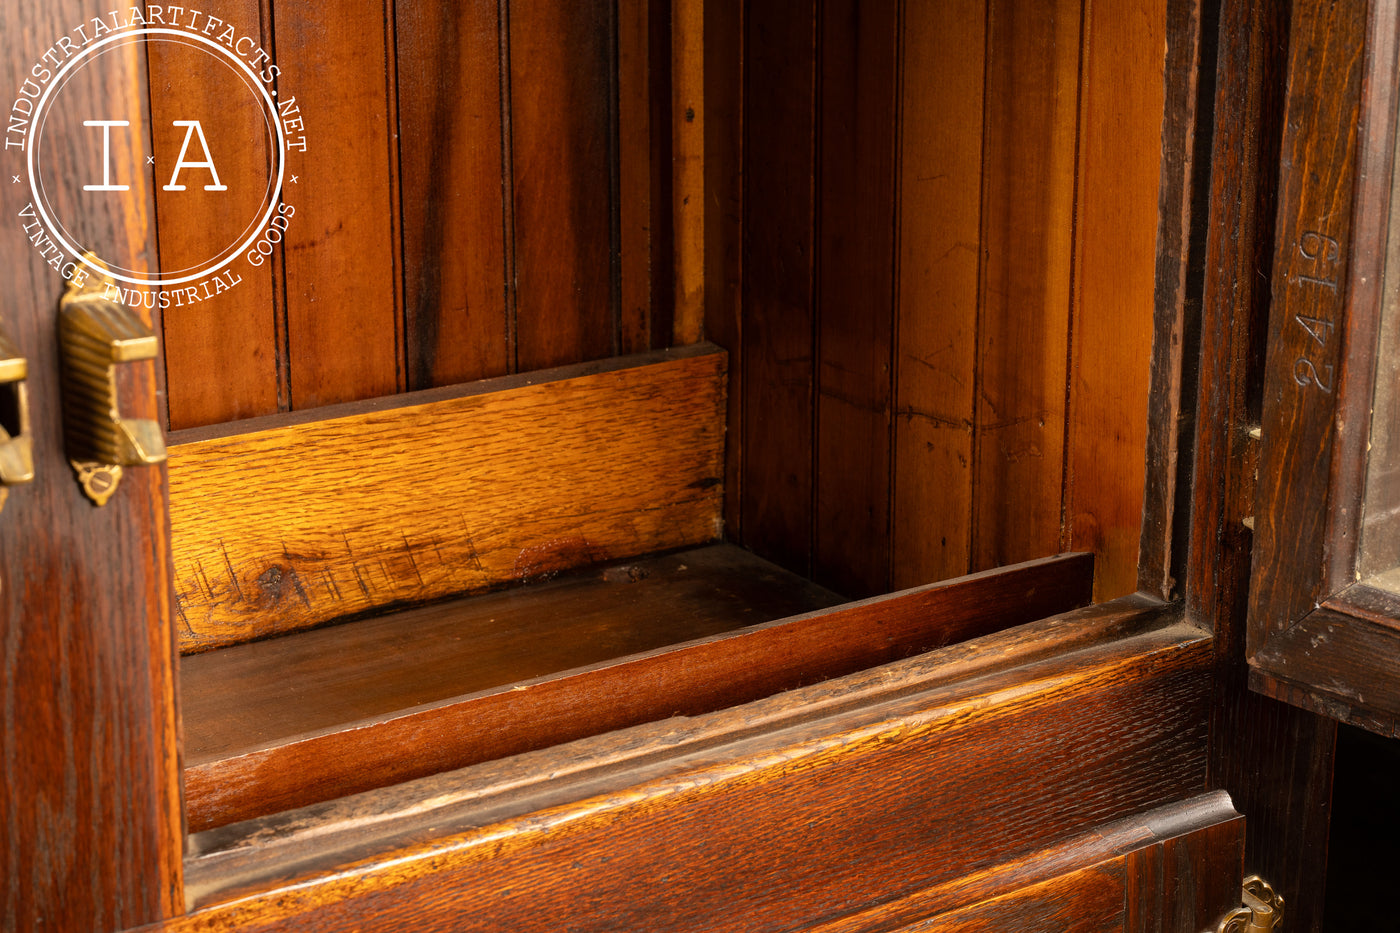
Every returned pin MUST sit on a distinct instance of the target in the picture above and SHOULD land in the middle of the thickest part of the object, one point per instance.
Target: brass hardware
(95, 335)
(16, 444)
(1262, 911)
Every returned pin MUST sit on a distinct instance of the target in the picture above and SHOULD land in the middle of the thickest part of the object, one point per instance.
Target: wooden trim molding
(811, 786)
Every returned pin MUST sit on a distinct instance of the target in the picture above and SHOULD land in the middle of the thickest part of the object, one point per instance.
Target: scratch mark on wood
(471, 545)
(359, 579)
(184, 619)
(232, 574)
(328, 578)
(408, 549)
(199, 571)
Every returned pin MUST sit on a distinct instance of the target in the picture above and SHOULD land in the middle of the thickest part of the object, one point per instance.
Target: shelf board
(250, 697)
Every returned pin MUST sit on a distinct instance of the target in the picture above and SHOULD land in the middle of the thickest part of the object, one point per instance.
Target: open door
(993, 748)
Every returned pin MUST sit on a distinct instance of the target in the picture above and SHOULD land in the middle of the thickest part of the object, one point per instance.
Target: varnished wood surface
(947, 277)
(561, 149)
(774, 828)
(1198, 842)
(943, 52)
(458, 212)
(486, 487)
(855, 287)
(1115, 229)
(1188, 107)
(449, 85)
(232, 343)
(645, 226)
(254, 696)
(309, 763)
(777, 327)
(1027, 240)
(1275, 761)
(1314, 249)
(89, 759)
(1337, 659)
(724, 226)
(1337, 663)
(688, 195)
(341, 254)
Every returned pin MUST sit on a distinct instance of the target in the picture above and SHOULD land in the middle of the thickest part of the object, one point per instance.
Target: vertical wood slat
(939, 222)
(89, 756)
(1185, 161)
(221, 355)
(688, 198)
(1027, 229)
(779, 234)
(640, 78)
(342, 298)
(855, 262)
(1121, 102)
(449, 92)
(725, 67)
(561, 140)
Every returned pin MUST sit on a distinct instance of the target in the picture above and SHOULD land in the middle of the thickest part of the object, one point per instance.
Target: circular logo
(213, 154)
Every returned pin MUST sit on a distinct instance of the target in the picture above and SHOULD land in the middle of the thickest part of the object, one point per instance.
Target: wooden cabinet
(983, 285)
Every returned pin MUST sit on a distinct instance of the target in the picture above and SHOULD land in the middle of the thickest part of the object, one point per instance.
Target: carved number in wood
(1315, 263)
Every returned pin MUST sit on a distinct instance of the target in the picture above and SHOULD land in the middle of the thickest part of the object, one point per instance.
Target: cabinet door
(90, 772)
(1323, 602)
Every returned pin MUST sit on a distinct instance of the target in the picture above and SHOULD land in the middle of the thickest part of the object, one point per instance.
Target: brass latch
(1261, 913)
(96, 335)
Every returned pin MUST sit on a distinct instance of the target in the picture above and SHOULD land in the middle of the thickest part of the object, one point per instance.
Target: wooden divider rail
(442, 492)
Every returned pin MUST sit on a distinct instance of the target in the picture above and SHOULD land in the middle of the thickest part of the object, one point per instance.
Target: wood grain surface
(1115, 250)
(341, 253)
(725, 68)
(1276, 762)
(485, 487)
(1201, 838)
(940, 211)
(947, 301)
(855, 287)
(775, 431)
(645, 254)
(688, 195)
(771, 829)
(1027, 242)
(89, 755)
(277, 751)
(450, 161)
(1188, 107)
(562, 153)
(1314, 249)
(231, 343)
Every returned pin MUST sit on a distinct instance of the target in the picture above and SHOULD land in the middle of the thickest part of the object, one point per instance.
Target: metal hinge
(1261, 913)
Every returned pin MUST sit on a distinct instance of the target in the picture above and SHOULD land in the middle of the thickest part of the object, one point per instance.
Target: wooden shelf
(250, 697)
(316, 715)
